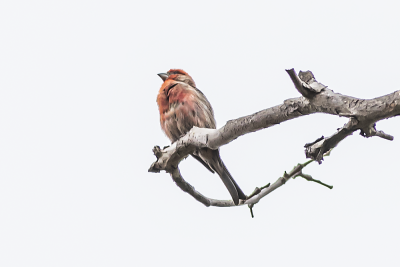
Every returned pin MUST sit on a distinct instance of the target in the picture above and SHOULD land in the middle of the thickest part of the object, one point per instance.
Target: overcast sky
(78, 121)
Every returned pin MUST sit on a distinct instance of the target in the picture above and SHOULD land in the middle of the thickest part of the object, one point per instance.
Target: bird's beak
(163, 76)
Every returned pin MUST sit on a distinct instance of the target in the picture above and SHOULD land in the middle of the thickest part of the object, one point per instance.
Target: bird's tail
(227, 179)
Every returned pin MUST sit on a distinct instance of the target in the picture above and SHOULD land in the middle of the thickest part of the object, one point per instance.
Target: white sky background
(78, 120)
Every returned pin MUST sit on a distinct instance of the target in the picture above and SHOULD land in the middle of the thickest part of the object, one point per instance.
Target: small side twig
(258, 193)
(255, 192)
(309, 178)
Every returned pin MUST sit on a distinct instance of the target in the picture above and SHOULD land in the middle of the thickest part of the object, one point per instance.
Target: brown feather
(182, 106)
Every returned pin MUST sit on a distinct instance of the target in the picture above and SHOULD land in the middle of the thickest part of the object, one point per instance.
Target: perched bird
(183, 106)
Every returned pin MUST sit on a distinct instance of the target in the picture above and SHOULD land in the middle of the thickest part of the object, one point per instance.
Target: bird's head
(177, 75)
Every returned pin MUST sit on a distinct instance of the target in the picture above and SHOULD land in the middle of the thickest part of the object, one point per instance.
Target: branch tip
(371, 131)
(153, 168)
(310, 179)
(301, 87)
(383, 135)
(251, 209)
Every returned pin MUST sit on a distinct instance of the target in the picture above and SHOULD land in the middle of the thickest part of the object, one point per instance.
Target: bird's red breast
(182, 105)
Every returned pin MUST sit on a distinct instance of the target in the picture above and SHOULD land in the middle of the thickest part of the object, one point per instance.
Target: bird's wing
(187, 108)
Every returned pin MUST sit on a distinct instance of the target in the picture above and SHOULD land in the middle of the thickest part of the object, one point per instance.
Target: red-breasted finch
(183, 106)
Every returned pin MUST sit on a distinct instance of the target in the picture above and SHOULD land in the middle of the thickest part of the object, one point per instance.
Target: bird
(182, 106)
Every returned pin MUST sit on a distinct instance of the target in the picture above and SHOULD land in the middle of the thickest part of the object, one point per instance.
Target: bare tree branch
(316, 98)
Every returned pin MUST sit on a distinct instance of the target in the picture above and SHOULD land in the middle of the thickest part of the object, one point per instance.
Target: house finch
(183, 106)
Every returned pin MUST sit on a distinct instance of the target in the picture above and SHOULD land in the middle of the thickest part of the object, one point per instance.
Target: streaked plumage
(183, 106)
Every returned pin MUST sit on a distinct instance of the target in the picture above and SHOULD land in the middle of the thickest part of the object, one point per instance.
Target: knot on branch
(316, 149)
(311, 83)
(169, 157)
(155, 167)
